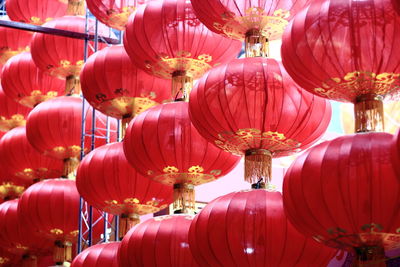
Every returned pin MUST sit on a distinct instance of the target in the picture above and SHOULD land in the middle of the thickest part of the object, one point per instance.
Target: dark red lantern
(344, 193)
(251, 107)
(166, 39)
(107, 181)
(12, 114)
(266, 237)
(54, 128)
(113, 85)
(25, 83)
(162, 144)
(160, 241)
(13, 42)
(62, 56)
(347, 51)
(99, 255)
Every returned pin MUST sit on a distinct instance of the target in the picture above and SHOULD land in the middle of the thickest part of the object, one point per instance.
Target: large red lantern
(107, 181)
(62, 56)
(251, 107)
(255, 21)
(160, 241)
(12, 114)
(166, 39)
(113, 85)
(347, 51)
(162, 144)
(266, 237)
(25, 83)
(54, 128)
(344, 193)
(99, 255)
(114, 13)
(13, 42)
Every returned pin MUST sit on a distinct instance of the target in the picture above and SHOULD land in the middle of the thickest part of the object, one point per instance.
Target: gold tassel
(368, 113)
(72, 85)
(62, 252)
(256, 44)
(29, 261)
(182, 84)
(184, 198)
(126, 222)
(370, 256)
(257, 166)
(76, 7)
(70, 166)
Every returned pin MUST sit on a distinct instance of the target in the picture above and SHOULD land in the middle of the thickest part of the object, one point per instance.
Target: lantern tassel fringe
(258, 166)
(370, 256)
(256, 44)
(126, 222)
(368, 113)
(72, 85)
(76, 7)
(184, 198)
(70, 166)
(62, 252)
(29, 261)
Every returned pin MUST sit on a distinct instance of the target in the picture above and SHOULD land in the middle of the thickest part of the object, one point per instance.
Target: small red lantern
(99, 255)
(344, 193)
(162, 144)
(12, 114)
(62, 56)
(160, 241)
(13, 42)
(26, 84)
(107, 181)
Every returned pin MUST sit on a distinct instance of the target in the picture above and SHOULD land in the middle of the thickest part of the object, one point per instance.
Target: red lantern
(113, 85)
(347, 51)
(162, 144)
(160, 241)
(113, 13)
(166, 39)
(344, 193)
(25, 83)
(62, 56)
(251, 107)
(12, 114)
(13, 42)
(54, 128)
(266, 237)
(107, 181)
(99, 255)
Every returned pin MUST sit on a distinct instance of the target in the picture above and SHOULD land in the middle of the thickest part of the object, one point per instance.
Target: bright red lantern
(114, 13)
(347, 51)
(266, 237)
(344, 193)
(13, 42)
(99, 255)
(162, 144)
(251, 107)
(26, 84)
(107, 181)
(62, 56)
(54, 128)
(113, 85)
(12, 114)
(160, 241)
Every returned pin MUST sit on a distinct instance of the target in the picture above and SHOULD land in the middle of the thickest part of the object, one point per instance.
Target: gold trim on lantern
(14, 121)
(65, 68)
(133, 205)
(61, 152)
(9, 190)
(118, 19)
(36, 97)
(4, 260)
(6, 53)
(76, 7)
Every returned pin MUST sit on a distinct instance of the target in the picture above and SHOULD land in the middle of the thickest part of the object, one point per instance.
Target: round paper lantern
(255, 21)
(62, 56)
(113, 85)
(107, 181)
(113, 13)
(13, 42)
(344, 193)
(26, 84)
(266, 237)
(21, 160)
(251, 107)
(162, 144)
(166, 39)
(160, 241)
(99, 255)
(12, 114)
(346, 51)
(54, 128)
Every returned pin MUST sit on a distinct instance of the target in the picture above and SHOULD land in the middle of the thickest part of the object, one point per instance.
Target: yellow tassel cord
(370, 256)
(257, 166)
(126, 222)
(72, 85)
(29, 261)
(184, 198)
(256, 44)
(76, 7)
(62, 252)
(368, 113)
(70, 166)
(182, 84)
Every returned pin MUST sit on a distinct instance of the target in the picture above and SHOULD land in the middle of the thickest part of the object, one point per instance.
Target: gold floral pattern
(65, 68)
(118, 19)
(56, 231)
(4, 260)
(36, 97)
(8, 189)
(6, 53)
(133, 206)
(15, 120)
(61, 152)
